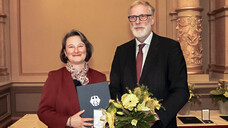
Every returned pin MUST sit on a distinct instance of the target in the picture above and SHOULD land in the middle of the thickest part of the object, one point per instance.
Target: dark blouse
(77, 83)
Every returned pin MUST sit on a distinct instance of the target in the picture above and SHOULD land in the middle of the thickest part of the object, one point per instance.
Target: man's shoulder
(127, 44)
(164, 39)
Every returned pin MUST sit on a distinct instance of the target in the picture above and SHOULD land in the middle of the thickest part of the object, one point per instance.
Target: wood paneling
(25, 98)
(5, 106)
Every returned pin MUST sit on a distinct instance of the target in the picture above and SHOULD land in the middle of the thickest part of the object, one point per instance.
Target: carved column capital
(189, 29)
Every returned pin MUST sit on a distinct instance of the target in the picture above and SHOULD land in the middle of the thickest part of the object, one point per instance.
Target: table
(214, 116)
(28, 121)
(32, 121)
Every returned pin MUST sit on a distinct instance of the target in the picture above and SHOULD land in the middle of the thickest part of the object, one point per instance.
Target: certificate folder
(93, 96)
(190, 120)
(224, 117)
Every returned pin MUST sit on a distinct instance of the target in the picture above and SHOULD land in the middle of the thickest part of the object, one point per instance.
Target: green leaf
(150, 118)
(216, 98)
(218, 92)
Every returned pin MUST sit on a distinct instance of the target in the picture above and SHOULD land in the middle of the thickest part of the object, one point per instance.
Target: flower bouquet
(221, 92)
(136, 109)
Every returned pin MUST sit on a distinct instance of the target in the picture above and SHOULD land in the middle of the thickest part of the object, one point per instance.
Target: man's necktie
(139, 61)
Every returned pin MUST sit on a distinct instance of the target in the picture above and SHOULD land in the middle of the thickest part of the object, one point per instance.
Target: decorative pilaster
(3, 68)
(218, 65)
(189, 30)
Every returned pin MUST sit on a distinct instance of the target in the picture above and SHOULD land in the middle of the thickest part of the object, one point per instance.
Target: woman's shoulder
(58, 71)
(93, 71)
(96, 75)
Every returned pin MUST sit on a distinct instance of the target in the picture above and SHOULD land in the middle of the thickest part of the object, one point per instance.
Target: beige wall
(34, 30)
(38, 26)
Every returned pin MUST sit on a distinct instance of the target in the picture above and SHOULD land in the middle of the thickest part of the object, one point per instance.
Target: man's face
(141, 29)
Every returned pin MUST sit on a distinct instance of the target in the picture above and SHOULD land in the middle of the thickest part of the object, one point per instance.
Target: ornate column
(3, 68)
(189, 33)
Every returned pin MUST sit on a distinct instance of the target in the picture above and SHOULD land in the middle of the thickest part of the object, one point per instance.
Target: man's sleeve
(178, 87)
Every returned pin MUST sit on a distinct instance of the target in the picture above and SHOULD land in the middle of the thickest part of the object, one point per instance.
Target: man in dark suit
(162, 67)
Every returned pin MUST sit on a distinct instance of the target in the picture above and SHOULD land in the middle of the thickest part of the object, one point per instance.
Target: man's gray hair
(138, 2)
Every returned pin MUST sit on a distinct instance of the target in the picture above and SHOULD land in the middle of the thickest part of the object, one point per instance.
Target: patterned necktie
(139, 61)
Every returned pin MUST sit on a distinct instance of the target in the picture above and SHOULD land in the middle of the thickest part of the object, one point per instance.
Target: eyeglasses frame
(147, 15)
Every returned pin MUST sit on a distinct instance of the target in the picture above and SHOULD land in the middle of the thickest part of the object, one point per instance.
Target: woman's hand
(78, 122)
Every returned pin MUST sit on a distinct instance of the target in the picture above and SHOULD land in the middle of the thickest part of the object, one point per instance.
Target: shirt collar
(147, 41)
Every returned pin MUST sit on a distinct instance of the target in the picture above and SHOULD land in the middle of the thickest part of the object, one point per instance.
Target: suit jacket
(59, 98)
(164, 73)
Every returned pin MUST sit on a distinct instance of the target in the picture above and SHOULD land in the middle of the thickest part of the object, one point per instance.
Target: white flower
(134, 122)
(226, 94)
(142, 107)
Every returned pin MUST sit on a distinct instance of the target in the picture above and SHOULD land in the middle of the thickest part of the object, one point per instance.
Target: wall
(38, 26)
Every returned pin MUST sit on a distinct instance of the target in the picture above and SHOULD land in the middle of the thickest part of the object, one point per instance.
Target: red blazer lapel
(72, 91)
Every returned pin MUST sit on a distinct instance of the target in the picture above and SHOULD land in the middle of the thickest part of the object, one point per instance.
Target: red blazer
(59, 98)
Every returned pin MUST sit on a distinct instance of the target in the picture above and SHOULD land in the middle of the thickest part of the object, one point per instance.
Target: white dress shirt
(145, 49)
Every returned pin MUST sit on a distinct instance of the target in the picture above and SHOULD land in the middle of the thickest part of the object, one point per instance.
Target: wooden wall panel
(25, 98)
(3, 102)
(5, 105)
(27, 102)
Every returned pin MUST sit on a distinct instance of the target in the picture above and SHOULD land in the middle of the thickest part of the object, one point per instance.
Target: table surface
(28, 121)
(32, 120)
(214, 116)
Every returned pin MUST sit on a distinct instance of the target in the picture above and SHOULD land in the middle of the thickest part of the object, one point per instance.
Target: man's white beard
(140, 33)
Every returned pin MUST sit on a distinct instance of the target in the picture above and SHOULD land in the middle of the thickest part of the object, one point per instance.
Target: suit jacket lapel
(132, 58)
(150, 57)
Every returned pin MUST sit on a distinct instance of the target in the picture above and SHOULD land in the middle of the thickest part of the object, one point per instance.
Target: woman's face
(75, 50)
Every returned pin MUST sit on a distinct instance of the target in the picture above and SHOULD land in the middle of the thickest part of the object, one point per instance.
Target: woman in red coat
(59, 105)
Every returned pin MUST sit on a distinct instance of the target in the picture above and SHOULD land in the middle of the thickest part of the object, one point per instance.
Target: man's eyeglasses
(142, 17)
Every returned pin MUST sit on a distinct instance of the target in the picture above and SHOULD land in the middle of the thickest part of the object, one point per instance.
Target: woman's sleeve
(47, 107)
